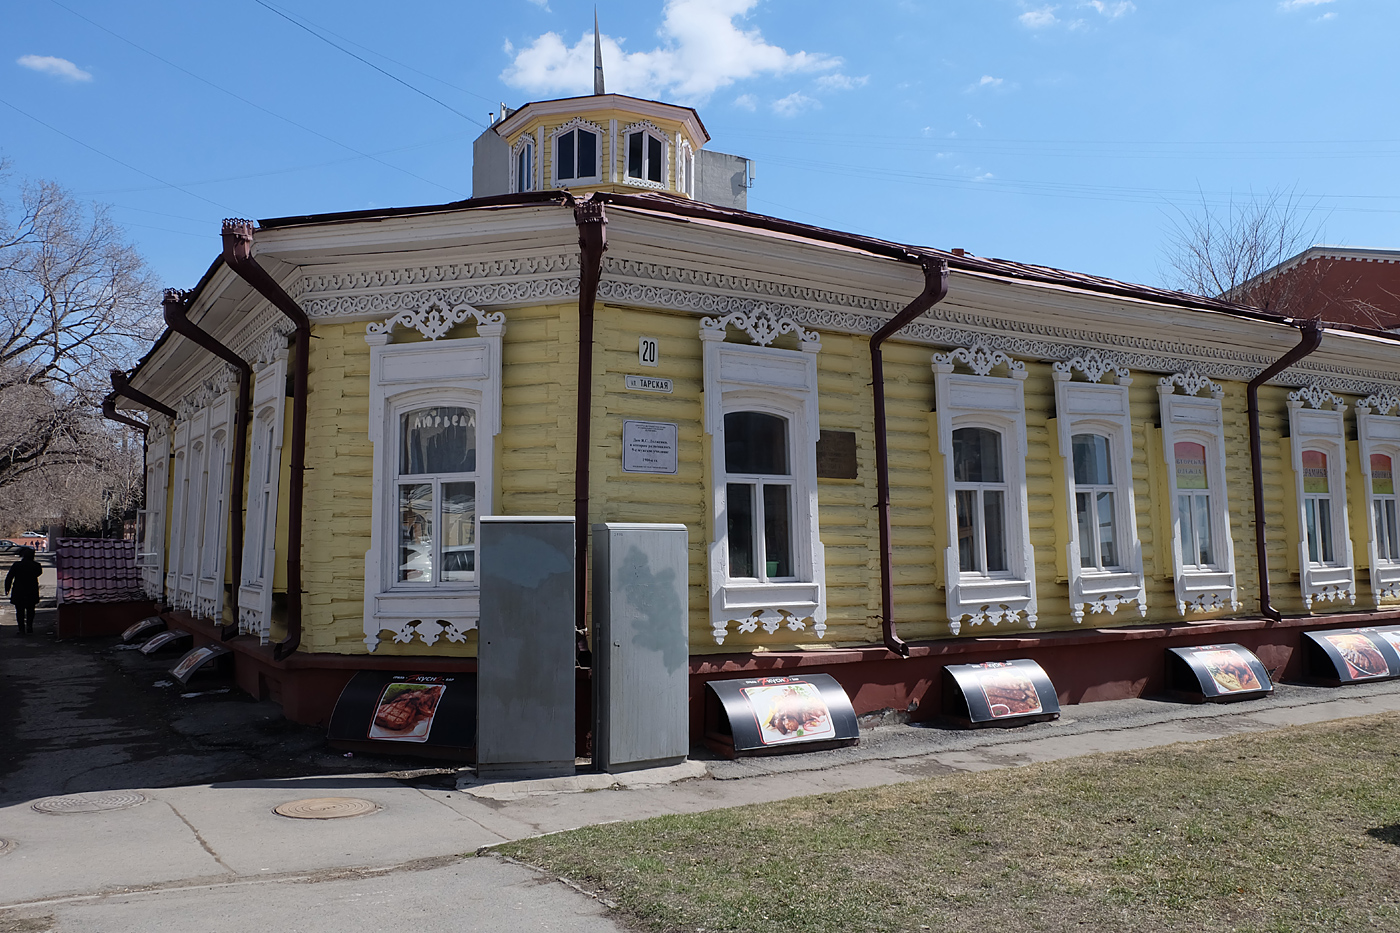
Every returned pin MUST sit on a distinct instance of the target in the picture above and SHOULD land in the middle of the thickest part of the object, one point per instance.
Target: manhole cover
(327, 808)
(90, 803)
(5, 846)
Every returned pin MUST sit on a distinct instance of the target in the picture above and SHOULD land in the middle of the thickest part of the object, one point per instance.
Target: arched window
(576, 156)
(1094, 503)
(646, 157)
(436, 496)
(979, 492)
(1383, 507)
(1195, 511)
(1317, 508)
(758, 495)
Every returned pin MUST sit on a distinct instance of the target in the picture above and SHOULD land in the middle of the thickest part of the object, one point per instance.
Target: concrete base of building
(90, 620)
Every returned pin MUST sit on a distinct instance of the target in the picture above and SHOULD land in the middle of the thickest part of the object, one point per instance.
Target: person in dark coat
(22, 586)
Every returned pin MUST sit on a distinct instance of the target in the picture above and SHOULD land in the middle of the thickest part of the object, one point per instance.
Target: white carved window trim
(1378, 432)
(152, 557)
(647, 129)
(462, 371)
(180, 484)
(1186, 416)
(192, 534)
(576, 124)
(264, 486)
(981, 400)
(1095, 407)
(213, 544)
(685, 167)
(532, 182)
(740, 377)
(1312, 427)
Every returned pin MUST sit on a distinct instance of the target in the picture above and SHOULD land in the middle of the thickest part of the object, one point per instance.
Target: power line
(105, 155)
(360, 58)
(253, 104)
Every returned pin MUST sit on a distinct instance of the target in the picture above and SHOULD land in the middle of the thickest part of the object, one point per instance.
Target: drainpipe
(1311, 338)
(935, 290)
(177, 310)
(121, 386)
(109, 411)
(592, 243)
(238, 254)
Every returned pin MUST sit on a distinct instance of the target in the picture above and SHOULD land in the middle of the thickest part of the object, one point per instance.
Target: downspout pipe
(1311, 339)
(592, 243)
(935, 290)
(122, 386)
(109, 411)
(238, 254)
(177, 309)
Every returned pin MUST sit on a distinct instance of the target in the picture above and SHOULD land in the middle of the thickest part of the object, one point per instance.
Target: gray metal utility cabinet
(525, 678)
(641, 654)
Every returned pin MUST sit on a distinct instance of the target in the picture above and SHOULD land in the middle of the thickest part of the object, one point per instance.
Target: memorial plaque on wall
(836, 455)
(650, 447)
(1216, 673)
(999, 693)
(777, 715)
(1348, 655)
(427, 714)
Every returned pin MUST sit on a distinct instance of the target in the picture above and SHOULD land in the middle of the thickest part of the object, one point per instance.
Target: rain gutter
(592, 243)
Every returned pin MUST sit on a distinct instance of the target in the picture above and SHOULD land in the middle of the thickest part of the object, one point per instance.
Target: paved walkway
(216, 857)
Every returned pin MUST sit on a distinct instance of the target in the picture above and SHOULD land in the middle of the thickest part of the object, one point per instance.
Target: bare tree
(1223, 252)
(76, 301)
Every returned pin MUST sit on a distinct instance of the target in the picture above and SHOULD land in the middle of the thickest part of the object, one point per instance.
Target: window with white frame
(1193, 444)
(1102, 559)
(1318, 436)
(646, 154)
(767, 565)
(523, 165)
(179, 484)
(578, 153)
(264, 486)
(434, 416)
(152, 556)
(192, 536)
(989, 565)
(1378, 437)
(209, 561)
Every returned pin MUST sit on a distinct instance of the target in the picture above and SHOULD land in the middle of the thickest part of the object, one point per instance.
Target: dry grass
(1297, 830)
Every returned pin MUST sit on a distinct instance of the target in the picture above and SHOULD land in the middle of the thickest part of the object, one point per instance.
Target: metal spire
(597, 57)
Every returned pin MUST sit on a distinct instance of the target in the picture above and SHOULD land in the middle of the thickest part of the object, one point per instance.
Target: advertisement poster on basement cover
(405, 711)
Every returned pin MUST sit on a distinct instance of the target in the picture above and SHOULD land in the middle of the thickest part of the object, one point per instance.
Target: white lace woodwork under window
(576, 155)
(1317, 434)
(646, 157)
(436, 484)
(1378, 437)
(758, 493)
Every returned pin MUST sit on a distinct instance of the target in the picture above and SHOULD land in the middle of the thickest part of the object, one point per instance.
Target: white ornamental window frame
(192, 534)
(571, 126)
(1097, 407)
(462, 372)
(266, 431)
(646, 129)
(526, 141)
(1189, 417)
(685, 166)
(1378, 433)
(213, 546)
(1312, 427)
(997, 403)
(157, 476)
(180, 484)
(759, 377)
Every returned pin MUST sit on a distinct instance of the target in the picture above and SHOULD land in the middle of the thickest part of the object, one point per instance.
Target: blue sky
(1065, 133)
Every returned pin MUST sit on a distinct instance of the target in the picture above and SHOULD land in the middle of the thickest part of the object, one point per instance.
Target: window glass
(634, 155)
(739, 500)
(525, 169)
(587, 154)
(1387, 544)
(1315, 472)
(458, 531)
(416, 533)
(777, 530)
(1382, 479)
(1190, 465)
(438, 439)
(655, 164)
(994, 527)
(564, 153)
(1091, 467)
(755, 443)
(966, 501)
(976, 456)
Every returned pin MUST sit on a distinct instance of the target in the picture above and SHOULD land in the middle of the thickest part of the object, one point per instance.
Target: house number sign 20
(646, 351)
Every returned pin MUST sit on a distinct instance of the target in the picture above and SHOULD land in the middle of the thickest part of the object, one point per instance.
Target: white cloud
(794, 103)
(1289, 6)
(49, 65)
(840, 82)
(987, 82)
(1112, 10)
(985, 176)
(1042, 18)
(541, 3)
(746, 101)
(702, 50)
(1325, 17)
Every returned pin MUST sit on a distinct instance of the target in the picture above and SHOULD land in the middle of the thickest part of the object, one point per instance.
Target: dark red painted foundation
(1086, 666)
(89, 620)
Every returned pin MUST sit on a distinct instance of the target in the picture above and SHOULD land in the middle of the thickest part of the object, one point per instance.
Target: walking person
(22, 586)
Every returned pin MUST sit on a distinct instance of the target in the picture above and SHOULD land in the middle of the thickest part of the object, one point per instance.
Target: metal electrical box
(641, 651)
(525, 659)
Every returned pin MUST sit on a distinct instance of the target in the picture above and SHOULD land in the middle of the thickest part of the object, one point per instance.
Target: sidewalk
(216, 857)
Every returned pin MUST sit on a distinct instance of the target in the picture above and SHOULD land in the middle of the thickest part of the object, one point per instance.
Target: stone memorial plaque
(649, 447)
(836, 455)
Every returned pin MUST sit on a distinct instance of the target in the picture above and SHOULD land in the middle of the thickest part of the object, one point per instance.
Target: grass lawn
(1285, 831)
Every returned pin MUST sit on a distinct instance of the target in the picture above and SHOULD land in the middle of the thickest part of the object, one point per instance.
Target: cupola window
(576, 155)
(646, 157)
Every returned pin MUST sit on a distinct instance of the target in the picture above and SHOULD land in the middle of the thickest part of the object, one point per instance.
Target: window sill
(427, 617)
(768, 605)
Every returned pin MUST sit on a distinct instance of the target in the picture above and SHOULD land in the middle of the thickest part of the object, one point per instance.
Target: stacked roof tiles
(97, 570)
